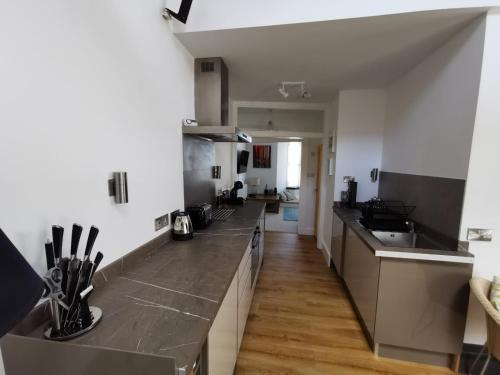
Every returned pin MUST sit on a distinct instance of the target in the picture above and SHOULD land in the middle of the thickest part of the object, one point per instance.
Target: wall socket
(477, 234)
(161, 222)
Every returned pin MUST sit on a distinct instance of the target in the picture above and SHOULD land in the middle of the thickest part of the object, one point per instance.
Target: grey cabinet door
(361, 274)
(337, 243)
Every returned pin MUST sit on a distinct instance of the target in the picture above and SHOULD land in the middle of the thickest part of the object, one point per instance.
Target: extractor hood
(212, 103)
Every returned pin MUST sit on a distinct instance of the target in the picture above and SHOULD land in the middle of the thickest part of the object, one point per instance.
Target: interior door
(319, 167)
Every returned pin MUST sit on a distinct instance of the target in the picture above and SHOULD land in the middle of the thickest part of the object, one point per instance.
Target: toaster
(201, 215)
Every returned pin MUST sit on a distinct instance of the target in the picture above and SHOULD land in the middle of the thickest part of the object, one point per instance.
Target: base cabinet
(222, 338)
(226, 333)
(361, 272)
(411, 309)
(338, 237)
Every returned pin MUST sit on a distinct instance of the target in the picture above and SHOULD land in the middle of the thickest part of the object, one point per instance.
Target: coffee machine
(233, 195)
(348, 197)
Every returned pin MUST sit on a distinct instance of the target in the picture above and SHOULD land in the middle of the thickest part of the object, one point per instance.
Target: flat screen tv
(242, 161)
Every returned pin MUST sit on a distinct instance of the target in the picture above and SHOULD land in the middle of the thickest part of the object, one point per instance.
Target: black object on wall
(199, 158)
(20, 286)
(438, 202)
(183, 12)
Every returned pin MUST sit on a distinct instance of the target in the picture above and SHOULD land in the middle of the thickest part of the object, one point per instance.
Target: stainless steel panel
(361, 273)
(199, 157)
(210, 91)
(217, 133)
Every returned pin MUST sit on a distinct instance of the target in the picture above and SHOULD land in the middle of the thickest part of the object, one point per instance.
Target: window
(293, 168)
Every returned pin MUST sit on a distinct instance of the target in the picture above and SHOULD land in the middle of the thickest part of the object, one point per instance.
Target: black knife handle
(97, 261)
(57, 239)
(49, 254)
(75, 238)
(94, 231)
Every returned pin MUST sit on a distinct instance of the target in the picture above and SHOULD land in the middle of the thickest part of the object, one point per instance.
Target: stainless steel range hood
(212, 103)
(218, 133)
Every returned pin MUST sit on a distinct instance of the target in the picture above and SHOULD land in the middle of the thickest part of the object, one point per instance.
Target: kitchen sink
(406, 239)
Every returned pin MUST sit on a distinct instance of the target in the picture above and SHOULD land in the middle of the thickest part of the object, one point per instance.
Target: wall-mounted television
(242, 161)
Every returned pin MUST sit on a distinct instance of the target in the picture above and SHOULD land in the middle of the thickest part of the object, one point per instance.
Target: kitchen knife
(83, 277)
(63, 265)
(95, 265)
(49, 255)
(57, 239)
(73, 265)
(81, 317)
(75, 239)
(94, 231)
(87, 272)
(84, 312)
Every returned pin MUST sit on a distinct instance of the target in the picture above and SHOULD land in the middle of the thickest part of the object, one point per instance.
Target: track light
(304, 94)
(282, 91)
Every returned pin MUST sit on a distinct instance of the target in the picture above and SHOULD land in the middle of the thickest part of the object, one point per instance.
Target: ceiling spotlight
(303, 92)
(282, 91)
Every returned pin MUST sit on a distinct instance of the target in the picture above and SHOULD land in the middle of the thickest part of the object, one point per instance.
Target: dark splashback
(199, 157)
(438, 200)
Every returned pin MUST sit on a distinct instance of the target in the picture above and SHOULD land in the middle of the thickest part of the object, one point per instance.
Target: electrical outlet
(161, 222)
(479, 234)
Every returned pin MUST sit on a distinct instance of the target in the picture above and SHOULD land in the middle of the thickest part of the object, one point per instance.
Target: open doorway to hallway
(285, 215)
(293, 132)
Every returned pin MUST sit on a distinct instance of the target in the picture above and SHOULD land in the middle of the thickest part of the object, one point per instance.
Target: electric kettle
(183, 227)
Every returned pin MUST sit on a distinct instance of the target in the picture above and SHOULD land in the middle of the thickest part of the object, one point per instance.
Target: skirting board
(469, 353)
(324, 250)
(306, 231)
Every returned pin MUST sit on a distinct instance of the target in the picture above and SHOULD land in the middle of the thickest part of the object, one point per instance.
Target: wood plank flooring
(301, 321)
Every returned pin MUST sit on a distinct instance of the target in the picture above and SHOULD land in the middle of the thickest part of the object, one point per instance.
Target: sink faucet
(411, 226)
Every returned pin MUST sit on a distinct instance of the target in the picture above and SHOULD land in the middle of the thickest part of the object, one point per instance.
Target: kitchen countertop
(165, 303)
(351, 218)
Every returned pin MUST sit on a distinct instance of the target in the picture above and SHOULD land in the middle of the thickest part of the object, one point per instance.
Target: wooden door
(319, 168)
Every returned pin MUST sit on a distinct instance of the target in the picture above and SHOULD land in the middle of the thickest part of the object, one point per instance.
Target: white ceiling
(356, 53)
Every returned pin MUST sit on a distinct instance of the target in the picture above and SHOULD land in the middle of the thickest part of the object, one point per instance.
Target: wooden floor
(301, 321)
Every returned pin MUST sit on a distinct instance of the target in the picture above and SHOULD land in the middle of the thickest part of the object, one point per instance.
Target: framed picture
(261, 156)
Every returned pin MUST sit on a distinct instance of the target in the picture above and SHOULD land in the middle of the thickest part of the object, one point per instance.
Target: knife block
(82, 325)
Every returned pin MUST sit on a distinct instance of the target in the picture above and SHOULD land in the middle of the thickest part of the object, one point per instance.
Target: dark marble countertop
(163, 303)
(351, 218)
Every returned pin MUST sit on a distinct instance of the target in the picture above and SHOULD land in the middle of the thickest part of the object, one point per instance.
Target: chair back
(481, 289)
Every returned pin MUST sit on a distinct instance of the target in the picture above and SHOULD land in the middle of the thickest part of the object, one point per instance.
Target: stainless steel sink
(407, 239)
(396, 239)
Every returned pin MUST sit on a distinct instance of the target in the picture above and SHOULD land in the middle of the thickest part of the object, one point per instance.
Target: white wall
(307, 206)
(328, 181)
(480, 206)
(88, 88)
(266, 175)
(282, 119)
(431, 110)
(229, 14)
(360, 129)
